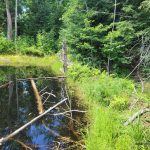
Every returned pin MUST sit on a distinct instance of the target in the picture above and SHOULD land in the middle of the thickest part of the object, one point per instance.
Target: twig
(68, 112)
(4, 139)
(132, 118)
(22, 144)
(49, 94)
(43, 89)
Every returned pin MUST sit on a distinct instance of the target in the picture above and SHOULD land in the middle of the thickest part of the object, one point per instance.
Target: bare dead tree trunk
(64, 48)
(16, 15)
(9, 21)
(113, 27)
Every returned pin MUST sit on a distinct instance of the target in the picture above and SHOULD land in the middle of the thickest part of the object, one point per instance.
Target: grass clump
(103, 129)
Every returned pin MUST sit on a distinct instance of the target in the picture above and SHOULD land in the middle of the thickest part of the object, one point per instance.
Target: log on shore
(136, 115)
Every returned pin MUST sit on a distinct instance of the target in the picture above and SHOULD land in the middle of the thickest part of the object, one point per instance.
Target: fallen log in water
(58, 77)
(4, 139)
(38, 97)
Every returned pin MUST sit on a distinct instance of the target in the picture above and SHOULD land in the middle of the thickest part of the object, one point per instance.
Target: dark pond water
(18, 106)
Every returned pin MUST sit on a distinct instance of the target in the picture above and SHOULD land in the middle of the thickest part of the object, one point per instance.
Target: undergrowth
(108, 99)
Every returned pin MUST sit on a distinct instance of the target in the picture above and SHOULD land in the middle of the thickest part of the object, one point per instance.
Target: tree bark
(16, 15)
(9, 21)
(64, 48)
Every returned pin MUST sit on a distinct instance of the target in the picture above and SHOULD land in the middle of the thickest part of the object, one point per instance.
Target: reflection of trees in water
(44, 131)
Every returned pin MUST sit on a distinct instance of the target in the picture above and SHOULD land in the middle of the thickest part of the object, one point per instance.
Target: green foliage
(108, 98)
(100, 87)
(120, 103)
(25, 45)
(45, 42)
(125, 142)
(6, 46)
(33, 51)
(78, 72)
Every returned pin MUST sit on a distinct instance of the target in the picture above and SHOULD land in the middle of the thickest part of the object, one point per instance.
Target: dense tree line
(107, 34)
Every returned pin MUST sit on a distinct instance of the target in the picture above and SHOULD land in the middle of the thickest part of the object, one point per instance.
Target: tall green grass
(108, 100)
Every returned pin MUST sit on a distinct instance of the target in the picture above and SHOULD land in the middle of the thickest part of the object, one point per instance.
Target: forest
(90, 57)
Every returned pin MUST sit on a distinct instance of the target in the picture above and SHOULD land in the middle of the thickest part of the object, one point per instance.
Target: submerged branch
(38, 97)
(58, 77)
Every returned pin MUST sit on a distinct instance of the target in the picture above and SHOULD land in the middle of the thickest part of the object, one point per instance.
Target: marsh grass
(108, 99)
(20, 61)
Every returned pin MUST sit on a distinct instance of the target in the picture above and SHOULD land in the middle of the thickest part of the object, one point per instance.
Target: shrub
(25, 45)
(119, 102)
(33, 51)
(78, 72)
(46, 42)
(6, 46)
(23, 42)
(99, 86)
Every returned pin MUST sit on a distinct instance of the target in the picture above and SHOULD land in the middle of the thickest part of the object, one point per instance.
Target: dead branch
(4, 139)
(69, 112)
(49, 94)
(43, 89)
(22, 144)
(6, 84)
(132, 118)
(38, 97)
(58, 77)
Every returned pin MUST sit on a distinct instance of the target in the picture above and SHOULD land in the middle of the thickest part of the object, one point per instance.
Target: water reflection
(18, 106)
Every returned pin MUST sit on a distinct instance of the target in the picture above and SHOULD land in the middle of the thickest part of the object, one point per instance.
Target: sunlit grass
(19, 61)
(108, 99)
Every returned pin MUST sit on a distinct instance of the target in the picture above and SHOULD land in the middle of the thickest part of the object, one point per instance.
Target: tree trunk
(9, 21)
(16, 15)
(64, 48)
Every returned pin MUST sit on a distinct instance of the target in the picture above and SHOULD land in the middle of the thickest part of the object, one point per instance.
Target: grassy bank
(18, 61)
(110, 101)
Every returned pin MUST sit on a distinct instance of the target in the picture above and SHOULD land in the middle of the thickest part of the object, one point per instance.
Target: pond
(55, 130)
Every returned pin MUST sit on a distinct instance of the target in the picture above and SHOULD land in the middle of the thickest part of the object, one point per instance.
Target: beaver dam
(36, 111)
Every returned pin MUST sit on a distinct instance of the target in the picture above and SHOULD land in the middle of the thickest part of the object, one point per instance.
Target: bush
(99, 86)
(46, 42)
(6, 46)
(25, 45)
(33, 51)
(119, 103)
(78, 72)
